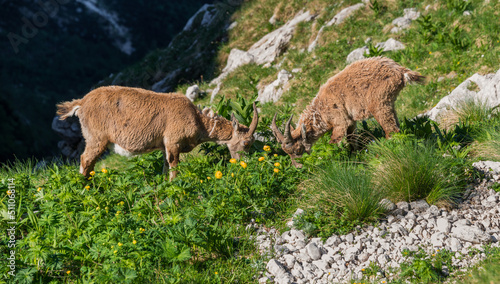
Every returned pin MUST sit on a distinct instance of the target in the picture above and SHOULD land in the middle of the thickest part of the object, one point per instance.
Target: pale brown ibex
(365, 88)
(138, 121)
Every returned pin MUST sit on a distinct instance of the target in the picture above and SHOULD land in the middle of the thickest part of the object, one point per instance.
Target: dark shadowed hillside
(58, 50)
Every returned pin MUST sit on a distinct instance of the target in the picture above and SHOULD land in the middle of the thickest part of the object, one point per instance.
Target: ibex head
(242, 137)
(294, 147)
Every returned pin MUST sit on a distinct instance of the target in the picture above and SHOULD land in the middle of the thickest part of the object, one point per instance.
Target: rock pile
(408, 226)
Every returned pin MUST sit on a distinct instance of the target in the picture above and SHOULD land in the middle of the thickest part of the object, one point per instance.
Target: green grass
(408, 170)
(485, 272)
(119, 224)
(338, 197)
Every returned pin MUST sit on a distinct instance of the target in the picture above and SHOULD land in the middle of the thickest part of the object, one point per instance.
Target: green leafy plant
(377, 8)
(424, 268)
(459, 6)
(373, 50)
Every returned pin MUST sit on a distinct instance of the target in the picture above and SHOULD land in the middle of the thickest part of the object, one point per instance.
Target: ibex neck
(217, 129)
(315, 125)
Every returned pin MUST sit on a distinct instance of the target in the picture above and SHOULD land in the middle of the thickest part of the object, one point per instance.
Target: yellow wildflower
(120, 244)
(209, 178)
(243, 164)
(276, 164)
(201, 181)
(218, 175)
(216, 272)
(115, 251)
(134, 242)
(68, 272)
(8, 192)
(267, 148)
(87, 187)
(276, 155)
(104, 170)
(232, 174)
(121, 203)
(38, 189)
(276, 170)
(261, 159)
(92, 173)
(430, 52)
(232, 161)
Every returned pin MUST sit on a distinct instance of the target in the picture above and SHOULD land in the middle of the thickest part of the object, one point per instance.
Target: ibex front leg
(171, 159)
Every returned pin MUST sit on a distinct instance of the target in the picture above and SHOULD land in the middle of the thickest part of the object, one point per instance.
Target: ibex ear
(235, 123)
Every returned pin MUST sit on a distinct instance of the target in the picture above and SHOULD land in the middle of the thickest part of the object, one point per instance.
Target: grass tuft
(345, 189)
(407, 170)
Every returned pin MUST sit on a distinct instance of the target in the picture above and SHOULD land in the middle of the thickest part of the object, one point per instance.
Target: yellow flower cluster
(261, 159)
(267, 148)
(232, 161)
(38, 189)
(104, 170)
(134, 242)
(142, 230)
(218, 175)
(92, 173)
(87, 187)
(243, 164)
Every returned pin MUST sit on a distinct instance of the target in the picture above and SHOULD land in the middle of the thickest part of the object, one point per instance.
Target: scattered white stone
(357, 54)
(336, 20)
(193, 92)
(471, 234)
(443, 225)
(313, 251)
(274, 91)
(390, 45)
(488, 94)
(263, 51)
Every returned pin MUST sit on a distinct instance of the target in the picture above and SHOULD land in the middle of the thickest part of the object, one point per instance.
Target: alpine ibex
(363, 89)
(138, 121)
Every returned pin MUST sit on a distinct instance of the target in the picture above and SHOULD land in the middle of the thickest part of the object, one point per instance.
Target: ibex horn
(255, 120)
(276, 131)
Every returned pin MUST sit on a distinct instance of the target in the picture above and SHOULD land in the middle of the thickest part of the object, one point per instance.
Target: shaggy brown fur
(139, 121)
(363, 89)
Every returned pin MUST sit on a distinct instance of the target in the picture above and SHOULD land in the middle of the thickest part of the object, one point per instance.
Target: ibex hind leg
(387, 118)
(353, 138)
(93, 150)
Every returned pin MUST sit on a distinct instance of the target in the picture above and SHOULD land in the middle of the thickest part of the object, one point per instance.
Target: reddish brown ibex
(138, 121)
(363, 89)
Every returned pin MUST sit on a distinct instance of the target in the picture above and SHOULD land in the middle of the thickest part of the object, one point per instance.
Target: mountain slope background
(51, 51)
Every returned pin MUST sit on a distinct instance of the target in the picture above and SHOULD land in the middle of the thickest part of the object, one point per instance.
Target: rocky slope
(409, 227)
